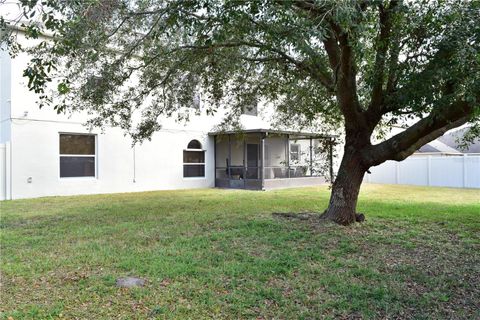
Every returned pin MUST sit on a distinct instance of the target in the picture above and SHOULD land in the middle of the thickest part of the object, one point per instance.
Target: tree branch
(407, 142)
(313, 66)
(383, 45)
(313, 71)
(340, 55)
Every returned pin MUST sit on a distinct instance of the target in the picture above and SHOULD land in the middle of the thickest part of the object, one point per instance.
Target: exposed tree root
(359, 217)
(297, 216)
(312, 216)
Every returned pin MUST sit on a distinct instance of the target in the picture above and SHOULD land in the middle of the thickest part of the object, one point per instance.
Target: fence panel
(3, 171)
(418, 166)
(472, 172)
(447, 172)
(451, 171)
(385, 173)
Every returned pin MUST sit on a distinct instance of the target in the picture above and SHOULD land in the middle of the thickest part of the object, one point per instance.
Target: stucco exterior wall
(153, 165)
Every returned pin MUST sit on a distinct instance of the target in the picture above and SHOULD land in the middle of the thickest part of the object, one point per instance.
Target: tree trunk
(345, 189)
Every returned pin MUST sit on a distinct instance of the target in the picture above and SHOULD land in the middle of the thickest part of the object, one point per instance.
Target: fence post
(464, 171)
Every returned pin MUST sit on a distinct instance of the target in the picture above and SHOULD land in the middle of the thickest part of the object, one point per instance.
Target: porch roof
(297, 134)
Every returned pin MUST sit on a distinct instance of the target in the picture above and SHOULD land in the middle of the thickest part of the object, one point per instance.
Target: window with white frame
(77, 155)
(194, 160)
(294, 152)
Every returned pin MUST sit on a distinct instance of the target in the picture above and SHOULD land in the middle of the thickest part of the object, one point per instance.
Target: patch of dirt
(312, 221)
(304, 216)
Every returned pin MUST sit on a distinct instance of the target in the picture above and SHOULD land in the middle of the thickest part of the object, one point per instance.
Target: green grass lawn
(221, 254)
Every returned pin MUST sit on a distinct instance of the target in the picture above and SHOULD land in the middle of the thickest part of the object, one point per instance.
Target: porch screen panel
(299, 158)
(221, 156)
(320, 156)
(236, 160)
(237, 151)
(253, 160)
(275, 158)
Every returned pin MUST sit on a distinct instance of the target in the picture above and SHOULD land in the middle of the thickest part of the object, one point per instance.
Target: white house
(46, 154)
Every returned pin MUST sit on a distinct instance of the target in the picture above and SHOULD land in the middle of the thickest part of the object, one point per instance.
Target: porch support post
(311, 157)
(330, 158)
(262, 159)
(244, 158)
(229, 157)
(287, 154)
(215, 160)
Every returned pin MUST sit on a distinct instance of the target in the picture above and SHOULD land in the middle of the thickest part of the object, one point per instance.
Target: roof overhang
(293, 134)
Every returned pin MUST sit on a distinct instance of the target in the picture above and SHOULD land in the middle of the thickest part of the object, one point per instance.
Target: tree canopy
(112, 56)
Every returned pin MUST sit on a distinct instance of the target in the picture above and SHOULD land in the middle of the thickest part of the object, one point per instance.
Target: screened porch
(268, 159)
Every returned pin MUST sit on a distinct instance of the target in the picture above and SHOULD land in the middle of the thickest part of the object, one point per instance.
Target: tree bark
(345, 189)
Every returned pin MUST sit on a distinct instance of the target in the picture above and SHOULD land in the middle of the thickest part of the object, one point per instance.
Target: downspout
(229, 159)
(215, 161)
(262, 164)
(287, 154)
(244, 162)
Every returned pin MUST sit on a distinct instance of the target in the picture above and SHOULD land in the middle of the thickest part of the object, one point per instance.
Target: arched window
(194, 160)
(194, 144)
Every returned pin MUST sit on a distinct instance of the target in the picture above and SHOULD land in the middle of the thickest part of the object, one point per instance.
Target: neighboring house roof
(437, 146)
(449, 143)
(451, 139)
(427, 149)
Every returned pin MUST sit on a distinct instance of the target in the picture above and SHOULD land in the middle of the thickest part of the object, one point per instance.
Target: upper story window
(196, 101)
(251, 110)
(194, 160)
(77, 155)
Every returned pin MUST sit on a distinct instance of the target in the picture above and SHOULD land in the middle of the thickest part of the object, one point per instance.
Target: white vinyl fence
(3, 171)
(438, 171)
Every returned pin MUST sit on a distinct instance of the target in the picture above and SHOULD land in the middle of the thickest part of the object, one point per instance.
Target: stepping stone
(130, 282)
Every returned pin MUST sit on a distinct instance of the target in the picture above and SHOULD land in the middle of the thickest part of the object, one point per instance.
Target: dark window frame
(190, 165)
(76, 156)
